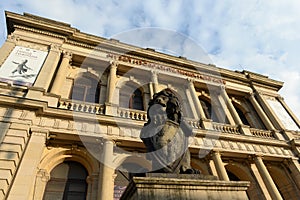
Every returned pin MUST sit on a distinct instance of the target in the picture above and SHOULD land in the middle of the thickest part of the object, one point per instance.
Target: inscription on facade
(152, 65)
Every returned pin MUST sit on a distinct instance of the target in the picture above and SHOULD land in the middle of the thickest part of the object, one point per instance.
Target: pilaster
(23, 185)
(7, 48)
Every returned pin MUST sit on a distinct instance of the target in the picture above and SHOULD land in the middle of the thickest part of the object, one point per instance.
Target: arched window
(208, 110)
(67, 181)
(86, 89)
(131, 97)
(242, 116)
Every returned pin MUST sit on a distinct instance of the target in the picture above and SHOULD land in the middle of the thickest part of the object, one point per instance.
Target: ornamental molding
(34, 30)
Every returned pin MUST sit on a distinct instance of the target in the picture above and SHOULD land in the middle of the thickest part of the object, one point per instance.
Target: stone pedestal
(187, 187)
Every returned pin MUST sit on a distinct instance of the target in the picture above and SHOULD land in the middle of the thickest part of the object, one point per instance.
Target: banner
(22, 66)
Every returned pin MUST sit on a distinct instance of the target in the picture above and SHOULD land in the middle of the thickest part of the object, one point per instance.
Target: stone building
(72, 106)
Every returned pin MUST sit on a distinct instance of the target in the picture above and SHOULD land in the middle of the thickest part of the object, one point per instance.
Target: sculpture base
(183, 186)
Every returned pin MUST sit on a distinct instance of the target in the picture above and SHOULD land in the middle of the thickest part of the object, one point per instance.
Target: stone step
(8, 164)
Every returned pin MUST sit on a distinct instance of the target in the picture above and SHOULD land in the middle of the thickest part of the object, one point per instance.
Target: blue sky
(256, 35)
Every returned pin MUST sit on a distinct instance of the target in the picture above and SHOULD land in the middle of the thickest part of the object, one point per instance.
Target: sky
(256, 35)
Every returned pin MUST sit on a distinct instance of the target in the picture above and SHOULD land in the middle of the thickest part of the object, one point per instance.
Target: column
(278, 125)
(216, 156)
(260, 181)
(61, 73)
(112, 82)
(267, 178)
(196, 100)
(261, 113)
(46, 74)
(154, 79)
(224, 110)
(106, 175)
(231, 107)
(7, 48)
(24, 183)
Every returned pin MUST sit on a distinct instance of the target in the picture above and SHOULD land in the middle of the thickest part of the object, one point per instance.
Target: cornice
(73, 36)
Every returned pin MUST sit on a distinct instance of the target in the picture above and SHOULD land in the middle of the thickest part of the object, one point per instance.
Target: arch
(131, 95)
(86, 87)
(284, 182)
(239, 172)
(56, 156)
(242, 112)
(208, 109)
(68, 181)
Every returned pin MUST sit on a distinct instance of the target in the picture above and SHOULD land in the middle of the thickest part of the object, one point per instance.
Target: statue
(165, 135)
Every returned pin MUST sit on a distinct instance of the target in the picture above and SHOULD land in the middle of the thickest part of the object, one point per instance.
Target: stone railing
(68, 104)
(262, 133)
(132, 114)
(194, 123)
(226, 128)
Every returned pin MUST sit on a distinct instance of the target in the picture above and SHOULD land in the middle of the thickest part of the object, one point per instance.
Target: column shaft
(260, 181)
(261, 113)
(231, 108)
(106, 179)
(111, 83)
(155, 82)
(61, 73)
(220, 166)
(46, 74)
(196, 100)
(267, 178)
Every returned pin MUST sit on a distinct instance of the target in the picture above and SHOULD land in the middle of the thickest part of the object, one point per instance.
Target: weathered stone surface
(166, 134)
(155, 188)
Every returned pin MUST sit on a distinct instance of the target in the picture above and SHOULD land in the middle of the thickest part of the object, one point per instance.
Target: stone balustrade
(226, 128)
(132, 114)
(193, 123)
(262, 133)
(69, 104)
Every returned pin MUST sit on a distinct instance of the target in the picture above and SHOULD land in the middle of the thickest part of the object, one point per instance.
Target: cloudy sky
(256, 35)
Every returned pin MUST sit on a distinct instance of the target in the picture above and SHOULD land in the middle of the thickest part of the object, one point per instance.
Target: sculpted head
(165, 103)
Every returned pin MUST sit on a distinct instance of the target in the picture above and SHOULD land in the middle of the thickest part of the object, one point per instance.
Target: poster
(22, 66)
(283, 115)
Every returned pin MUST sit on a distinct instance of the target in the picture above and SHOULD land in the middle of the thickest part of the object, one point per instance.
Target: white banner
(22, 66)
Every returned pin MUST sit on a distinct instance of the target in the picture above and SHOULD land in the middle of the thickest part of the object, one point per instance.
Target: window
(208, 110)
(86, 89)
(67, 182)
(132, 98)
(242, 116)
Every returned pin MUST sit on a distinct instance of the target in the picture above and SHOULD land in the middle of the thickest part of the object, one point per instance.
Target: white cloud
(260, 36)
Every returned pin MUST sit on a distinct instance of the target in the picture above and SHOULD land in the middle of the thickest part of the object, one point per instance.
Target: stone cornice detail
(34, 30)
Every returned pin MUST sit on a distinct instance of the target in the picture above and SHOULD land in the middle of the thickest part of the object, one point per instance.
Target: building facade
(72, 106)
